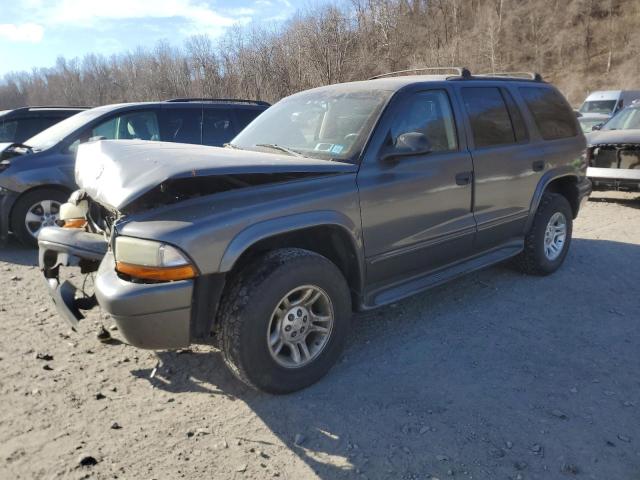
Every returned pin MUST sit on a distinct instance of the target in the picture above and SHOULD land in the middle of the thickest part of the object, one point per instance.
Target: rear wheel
(34, 211)
(284, 320)
(548, 240)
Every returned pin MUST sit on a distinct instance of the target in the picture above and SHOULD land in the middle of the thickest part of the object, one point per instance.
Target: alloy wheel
(300, 326)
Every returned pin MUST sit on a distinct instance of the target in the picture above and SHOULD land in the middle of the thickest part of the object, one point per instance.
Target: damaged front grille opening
(176, 190)
(617, 156)
(626, 155)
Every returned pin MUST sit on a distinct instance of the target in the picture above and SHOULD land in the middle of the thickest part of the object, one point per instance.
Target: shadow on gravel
(491, 375)
(13, 252)
(627, 202)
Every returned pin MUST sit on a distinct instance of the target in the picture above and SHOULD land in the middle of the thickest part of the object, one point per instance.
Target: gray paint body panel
(216, 229)
(411, 225)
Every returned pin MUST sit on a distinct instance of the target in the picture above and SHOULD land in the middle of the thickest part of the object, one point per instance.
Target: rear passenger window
(517, 121)
(245, 116)
(488, 115)
(551, 113)
(217, 127)
(182, 125)
(428, 113)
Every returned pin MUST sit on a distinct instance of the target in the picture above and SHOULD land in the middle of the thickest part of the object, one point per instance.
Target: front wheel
(35, 210)
(548, 240)
(284, 320)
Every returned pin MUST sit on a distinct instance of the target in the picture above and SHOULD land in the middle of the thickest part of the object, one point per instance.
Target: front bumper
(62, 248)
(149, 315)
(7, 200)
(157, 316)
(614, 177)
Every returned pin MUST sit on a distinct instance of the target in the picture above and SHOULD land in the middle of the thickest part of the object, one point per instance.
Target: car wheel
(548, 240)
(284, 319)
(34, 211)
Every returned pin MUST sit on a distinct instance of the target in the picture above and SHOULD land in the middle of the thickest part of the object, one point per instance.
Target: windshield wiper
(275, 146)
(231, 145)
(21, 145)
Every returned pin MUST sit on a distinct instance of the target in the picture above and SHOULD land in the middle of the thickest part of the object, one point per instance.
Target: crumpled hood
(117, 172)
(604, 137)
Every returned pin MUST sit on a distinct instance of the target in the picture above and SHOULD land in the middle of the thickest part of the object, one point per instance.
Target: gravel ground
(494, 376)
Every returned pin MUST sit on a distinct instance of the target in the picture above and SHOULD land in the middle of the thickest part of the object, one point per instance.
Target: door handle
(463, 178)
(538, 165)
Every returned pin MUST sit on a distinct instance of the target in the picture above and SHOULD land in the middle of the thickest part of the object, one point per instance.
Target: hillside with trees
(580, 45)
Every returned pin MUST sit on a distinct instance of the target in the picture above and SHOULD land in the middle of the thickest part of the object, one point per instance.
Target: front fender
(287, 224)
(28, 178)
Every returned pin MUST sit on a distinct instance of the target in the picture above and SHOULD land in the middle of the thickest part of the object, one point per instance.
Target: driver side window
(428, 113)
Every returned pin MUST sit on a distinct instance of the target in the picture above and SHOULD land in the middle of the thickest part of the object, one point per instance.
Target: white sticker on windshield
(337, 149)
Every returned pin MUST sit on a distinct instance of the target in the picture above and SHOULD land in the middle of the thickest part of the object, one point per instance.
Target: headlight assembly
(150, 260)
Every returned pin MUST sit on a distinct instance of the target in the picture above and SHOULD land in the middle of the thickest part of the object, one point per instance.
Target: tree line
(580, 45)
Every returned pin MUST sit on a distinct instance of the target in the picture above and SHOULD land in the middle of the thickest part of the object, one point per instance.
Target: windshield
(8, 130)
(329, 124)
(598, 106)
(627, 119)
(55, 134)
(587, 124)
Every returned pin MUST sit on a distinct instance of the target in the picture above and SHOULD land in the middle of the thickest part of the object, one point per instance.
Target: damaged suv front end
(159, 225)
(614, 151)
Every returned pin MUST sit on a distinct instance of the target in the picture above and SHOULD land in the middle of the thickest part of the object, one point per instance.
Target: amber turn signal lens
(163, 274)
(75, 223)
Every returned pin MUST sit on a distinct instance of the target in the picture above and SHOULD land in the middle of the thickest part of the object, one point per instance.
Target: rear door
(506, 169)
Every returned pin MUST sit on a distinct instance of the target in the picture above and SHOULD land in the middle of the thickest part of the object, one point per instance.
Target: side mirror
(407, 144)
(597, 126)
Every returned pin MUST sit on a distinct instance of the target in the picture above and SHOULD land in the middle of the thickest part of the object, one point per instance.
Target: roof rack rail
(527, 75)
(461, 71)
(51, 107)
(221, 100)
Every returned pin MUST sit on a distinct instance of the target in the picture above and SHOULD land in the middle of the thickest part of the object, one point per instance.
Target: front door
(416, 210)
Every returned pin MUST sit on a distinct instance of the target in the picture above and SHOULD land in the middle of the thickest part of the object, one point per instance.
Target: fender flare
(544, 182)
(291, 223)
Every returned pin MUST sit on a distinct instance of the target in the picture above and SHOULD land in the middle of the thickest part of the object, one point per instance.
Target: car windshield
(8, 130)
(331, 123)
(587, 124)
(627, 119)
(598, 106)
(58, 132)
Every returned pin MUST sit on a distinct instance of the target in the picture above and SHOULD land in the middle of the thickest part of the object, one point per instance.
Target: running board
(406, 288)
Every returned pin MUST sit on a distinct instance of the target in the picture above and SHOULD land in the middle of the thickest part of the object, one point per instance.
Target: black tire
(22, 206)
(533, 260)
(249, 302)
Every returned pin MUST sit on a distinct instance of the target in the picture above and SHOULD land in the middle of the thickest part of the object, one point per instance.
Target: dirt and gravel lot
(494, 376)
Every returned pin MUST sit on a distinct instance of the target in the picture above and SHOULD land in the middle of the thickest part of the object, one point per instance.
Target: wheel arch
(330, 234)
(53, 186)
(565, 185)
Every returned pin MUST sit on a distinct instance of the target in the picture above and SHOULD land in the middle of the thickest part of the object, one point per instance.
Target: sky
(33, 33)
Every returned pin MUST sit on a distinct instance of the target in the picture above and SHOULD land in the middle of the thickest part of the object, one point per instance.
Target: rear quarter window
(551, 112)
